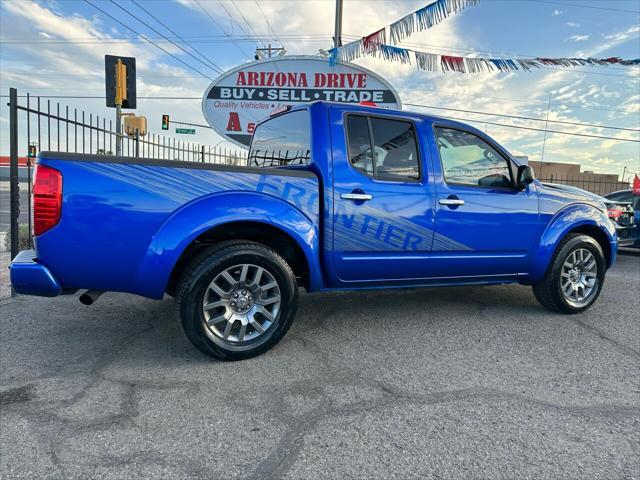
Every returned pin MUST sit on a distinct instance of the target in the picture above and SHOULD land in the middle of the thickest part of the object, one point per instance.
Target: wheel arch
(231, 216)
(577, 218)
(255, 231)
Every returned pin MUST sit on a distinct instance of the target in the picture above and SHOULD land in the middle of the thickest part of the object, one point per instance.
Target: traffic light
(120, 81)
(165, 122)
(32, 151)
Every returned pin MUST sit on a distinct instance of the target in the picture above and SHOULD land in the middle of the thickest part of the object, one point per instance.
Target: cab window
(281, 141)
(468, 160)
(383, 148)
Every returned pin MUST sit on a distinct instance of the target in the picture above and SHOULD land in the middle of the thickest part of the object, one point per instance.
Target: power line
(586, 6)
(118, 41)
(586, 135)
(178, 36)
(231, 18)
(219, 26)
(444, 91)
(150, 41)
(243, 17)
(215, 69)
(269, 27)
(520, 117)
(601, 137)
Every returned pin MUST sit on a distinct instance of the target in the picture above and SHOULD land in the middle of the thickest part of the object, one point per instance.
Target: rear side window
(469, 160)
(383, 148)
(282, 140)
(621, 197)
(360, 144)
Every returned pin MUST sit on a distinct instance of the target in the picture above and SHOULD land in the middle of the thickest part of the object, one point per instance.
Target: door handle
(451, 201)
(359, 197)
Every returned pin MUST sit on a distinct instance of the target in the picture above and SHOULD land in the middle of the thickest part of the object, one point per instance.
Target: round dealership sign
(247, 94)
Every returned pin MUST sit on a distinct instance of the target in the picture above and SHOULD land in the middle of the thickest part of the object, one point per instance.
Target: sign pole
(118, 132)
(338, 34)
(14, 186)
(121, 95)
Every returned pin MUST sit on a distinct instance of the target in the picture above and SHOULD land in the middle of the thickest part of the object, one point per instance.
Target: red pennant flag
(636, 185)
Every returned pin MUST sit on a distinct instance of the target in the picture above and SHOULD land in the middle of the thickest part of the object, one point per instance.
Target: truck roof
(365, 109)
(380, 111)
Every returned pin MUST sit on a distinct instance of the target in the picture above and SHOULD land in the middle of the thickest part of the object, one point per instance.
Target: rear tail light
(47, 198)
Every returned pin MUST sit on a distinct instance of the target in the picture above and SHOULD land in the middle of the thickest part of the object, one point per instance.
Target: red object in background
(368, 104)
(614, 213)
(636, 185)
(47, 198)
(22, 161)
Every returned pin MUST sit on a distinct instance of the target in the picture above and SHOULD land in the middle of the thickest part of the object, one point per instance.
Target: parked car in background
(627, 196)
(621, 214)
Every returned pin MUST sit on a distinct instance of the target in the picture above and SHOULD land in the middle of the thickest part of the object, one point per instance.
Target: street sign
(111, 70)
(247, 94)
(190, 131)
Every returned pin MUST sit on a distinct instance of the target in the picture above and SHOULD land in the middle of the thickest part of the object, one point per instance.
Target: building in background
(570, 174)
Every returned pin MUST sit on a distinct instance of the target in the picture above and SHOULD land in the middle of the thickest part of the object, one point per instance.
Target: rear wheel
(575, 277)
(237, 301)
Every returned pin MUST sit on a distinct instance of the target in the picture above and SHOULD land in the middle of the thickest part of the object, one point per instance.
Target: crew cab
(333, 197)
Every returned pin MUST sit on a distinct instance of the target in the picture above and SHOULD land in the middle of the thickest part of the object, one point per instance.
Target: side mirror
(525, 176)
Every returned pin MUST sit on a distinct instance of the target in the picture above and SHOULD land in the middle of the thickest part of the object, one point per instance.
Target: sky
(57, 47)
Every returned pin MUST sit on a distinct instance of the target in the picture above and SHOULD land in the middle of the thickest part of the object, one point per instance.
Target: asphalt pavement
(431, 383)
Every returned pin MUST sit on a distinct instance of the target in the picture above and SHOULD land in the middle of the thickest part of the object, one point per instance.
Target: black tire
(195, 284)
(549, 290)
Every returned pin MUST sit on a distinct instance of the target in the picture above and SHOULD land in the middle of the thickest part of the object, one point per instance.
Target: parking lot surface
(431, 383)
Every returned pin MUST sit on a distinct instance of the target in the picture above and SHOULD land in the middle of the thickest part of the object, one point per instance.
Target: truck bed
(115, 208)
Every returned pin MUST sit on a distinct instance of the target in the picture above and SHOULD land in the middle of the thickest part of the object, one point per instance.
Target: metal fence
(42, 125)
(600, 187)
(273, 158)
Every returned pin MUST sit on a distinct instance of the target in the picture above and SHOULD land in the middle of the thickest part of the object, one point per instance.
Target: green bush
(24, 238)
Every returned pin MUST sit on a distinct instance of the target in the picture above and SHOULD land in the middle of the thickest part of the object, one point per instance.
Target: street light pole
(337, 39)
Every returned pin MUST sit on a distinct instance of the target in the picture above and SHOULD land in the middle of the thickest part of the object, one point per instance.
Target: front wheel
(238, 300)
(575, 277)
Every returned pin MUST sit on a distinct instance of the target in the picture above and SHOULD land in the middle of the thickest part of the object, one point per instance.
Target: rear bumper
(29, 277)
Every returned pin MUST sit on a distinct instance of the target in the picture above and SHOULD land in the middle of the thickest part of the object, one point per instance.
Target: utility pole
(269, 52)
(337, 38)
(544, 140)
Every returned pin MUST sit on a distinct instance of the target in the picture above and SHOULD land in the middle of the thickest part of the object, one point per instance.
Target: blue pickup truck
(334, 197)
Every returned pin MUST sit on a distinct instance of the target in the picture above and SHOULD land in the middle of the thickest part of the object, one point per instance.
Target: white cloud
(572, 24)
(625, 35)
(579, 38)
(556, 12)
(513, 94)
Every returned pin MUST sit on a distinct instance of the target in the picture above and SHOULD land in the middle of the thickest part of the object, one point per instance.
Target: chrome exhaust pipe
(90, 296)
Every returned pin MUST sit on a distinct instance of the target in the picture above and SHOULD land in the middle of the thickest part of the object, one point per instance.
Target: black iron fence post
(14, 186)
